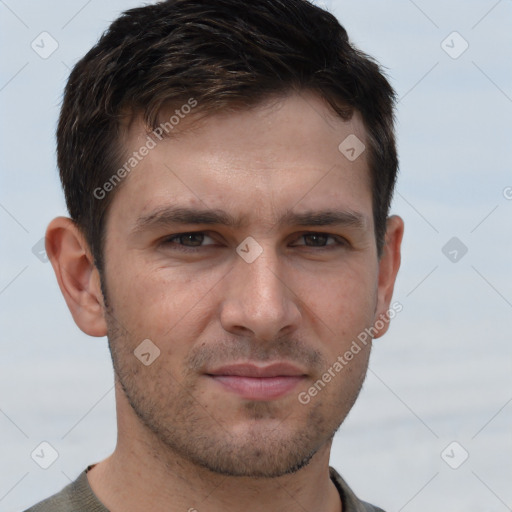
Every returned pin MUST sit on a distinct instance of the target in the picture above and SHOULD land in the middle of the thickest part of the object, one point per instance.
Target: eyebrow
(167, 216)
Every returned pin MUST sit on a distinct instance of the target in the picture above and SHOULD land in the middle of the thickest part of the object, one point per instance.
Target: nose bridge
(257, 299)
(260, 278)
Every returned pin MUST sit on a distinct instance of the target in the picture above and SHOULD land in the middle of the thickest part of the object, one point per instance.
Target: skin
(185, 441)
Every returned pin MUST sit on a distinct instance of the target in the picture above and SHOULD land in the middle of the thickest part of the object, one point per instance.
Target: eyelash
(169, 241)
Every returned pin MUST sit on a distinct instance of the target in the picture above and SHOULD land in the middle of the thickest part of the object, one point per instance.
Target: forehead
(286, 153)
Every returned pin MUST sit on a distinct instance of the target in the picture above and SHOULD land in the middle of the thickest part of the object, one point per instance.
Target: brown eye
(321, 240)
(191, 239)
(316, 240)
(188, 241)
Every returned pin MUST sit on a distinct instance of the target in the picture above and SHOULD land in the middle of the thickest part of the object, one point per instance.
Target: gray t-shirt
(78, 497)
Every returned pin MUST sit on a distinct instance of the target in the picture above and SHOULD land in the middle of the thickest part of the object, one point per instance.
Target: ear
(389, 264)
(78, 278)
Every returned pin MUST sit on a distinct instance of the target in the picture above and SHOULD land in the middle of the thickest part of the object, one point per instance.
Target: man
(228, 169)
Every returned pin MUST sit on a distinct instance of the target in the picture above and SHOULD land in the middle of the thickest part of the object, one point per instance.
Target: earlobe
(389, 264)
(77, 275)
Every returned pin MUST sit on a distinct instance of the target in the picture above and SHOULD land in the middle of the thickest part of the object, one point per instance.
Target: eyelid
(170, 238)
(340, 240)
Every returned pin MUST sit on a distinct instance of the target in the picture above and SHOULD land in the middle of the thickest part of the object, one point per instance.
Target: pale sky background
(442, 374)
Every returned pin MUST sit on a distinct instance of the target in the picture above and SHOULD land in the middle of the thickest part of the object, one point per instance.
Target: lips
(254, 382)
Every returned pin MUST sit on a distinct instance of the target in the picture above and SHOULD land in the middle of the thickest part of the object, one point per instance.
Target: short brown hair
(224, 54)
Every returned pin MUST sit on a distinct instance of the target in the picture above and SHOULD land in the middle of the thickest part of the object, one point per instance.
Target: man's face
(242, 333)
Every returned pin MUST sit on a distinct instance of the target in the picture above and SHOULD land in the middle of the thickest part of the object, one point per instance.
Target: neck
(145, 474)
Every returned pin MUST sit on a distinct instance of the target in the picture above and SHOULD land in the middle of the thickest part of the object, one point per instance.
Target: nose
(258, 300)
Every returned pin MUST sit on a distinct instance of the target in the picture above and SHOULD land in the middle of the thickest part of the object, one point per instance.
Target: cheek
(165, 305)
(172, 306)
(343, 299)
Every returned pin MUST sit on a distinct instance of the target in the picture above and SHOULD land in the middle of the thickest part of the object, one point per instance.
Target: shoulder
(351, 503)
(62, 501)
(75, 497)
(370, 508)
